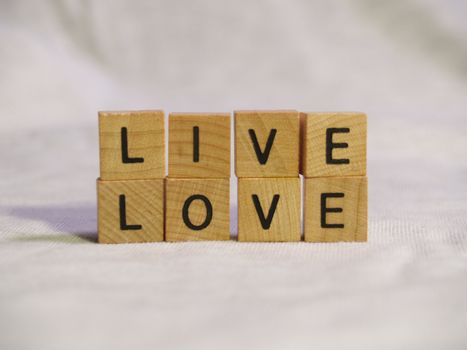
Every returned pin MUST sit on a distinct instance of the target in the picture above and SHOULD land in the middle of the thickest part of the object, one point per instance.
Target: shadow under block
(132, 145)
(199, 145)
(130, 211)
(335, 209)
(197, 209)
(269, 209)
(267, 143)
(333, 144)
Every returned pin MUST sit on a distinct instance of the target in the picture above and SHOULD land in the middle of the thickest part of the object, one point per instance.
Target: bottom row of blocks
(132, 211)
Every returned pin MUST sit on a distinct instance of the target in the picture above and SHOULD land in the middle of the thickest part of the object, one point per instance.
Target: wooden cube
(335, 209)
(333, 144)
(267, 143)
(199, 145)
(269, 209)
(130, 211)
(132, 145)
(197, 209)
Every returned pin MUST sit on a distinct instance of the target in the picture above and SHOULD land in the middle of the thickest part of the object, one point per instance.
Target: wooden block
(333, 144)
(267, 143)
(132, 145)
(199, 145)
(335, 209)
(197, 209)
(130, 211)
(269, 209)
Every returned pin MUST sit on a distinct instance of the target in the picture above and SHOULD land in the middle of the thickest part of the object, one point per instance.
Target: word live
(138, 203)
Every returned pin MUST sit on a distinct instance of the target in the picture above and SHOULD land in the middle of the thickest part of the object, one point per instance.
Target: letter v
(265, 221)
(262, 156)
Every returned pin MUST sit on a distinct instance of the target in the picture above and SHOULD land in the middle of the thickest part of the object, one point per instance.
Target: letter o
(186, 217)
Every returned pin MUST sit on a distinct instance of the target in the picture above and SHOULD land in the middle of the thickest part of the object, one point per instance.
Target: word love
(138, 203)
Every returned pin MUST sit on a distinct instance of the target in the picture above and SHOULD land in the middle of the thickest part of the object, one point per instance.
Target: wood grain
(313, 132)
(213, 159)
(144, 201)
(283, 160)
(178, 191)
(354, 204)
(285, 224)
(146, 139)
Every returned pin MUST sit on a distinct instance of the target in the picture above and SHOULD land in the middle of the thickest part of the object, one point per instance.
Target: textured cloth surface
(404, 63)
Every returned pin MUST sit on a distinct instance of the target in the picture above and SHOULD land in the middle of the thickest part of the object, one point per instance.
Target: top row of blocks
(267, 144)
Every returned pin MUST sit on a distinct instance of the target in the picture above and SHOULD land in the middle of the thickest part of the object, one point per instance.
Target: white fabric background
(402, 62)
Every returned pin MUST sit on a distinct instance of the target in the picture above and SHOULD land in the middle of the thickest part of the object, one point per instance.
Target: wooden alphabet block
(132, 145)
(199, 145)
(333, 144)
(130, 211)
(197, 209)
(335, 209)
(267, 143)
(269, 209)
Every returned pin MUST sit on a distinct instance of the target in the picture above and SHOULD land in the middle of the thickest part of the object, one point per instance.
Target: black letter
(123, 225)
(125, 157)
(265, 221)
(262, 156)
(186, 217)
(330, 145)
(325, 209)
(195, 144)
